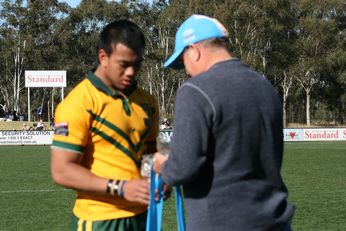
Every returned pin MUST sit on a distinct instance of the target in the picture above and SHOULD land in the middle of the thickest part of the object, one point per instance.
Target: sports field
(315, 174)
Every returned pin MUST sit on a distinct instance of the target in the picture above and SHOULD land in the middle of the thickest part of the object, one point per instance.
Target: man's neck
(99, 73)
(216, 56)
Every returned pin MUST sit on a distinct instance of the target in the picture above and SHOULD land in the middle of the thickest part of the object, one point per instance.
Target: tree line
(298, 45)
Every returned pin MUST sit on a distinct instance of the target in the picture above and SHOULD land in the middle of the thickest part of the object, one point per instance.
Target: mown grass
(29, 200)
(314, 174)
(17, 125)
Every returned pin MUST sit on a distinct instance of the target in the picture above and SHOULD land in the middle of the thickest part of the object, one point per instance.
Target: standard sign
(45, 78)
(315, 134)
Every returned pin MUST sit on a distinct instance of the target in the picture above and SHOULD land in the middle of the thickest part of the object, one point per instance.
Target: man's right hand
(160, 159)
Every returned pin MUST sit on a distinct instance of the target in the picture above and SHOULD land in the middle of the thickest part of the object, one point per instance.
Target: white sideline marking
(37, 190)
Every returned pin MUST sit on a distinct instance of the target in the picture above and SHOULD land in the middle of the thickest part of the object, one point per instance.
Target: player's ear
(103, 57)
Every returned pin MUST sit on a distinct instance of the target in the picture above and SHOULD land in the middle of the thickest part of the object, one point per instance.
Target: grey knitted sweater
(227, 149)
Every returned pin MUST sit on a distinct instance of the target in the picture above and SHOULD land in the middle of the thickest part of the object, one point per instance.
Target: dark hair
(124, 32)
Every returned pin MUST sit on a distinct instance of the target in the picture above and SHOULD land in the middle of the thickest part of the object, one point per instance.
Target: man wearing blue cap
(227, 143)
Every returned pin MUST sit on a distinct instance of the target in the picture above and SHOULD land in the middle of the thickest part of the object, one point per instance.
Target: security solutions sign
(45, 78)
(26, 137)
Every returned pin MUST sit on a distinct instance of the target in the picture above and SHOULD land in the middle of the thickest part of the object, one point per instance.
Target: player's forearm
(67, 171)
(75, 176)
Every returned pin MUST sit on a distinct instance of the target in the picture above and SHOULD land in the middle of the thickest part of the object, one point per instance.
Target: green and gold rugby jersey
(111, 130)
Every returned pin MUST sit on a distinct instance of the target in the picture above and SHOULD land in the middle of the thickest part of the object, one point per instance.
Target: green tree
(81, 28)
(298, 45)
(160, 23)
(316, 29)
(12, 54)
(31, 40)
(84, 24)
(44, 31)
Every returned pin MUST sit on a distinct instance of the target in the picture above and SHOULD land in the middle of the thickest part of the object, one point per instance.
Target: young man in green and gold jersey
(102, 129)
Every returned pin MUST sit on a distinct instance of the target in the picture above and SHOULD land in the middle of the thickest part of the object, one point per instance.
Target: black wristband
(109, 186)
(116, 187)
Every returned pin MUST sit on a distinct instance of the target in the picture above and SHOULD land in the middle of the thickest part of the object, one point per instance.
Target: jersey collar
(96, 81)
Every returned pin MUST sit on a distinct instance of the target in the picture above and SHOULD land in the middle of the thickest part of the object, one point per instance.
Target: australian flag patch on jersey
(61, 129)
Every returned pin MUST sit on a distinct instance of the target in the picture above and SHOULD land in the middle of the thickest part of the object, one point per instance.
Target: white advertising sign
(26, 137)
(324, 134)
(293, 135)
(315, 134)
(45, 78)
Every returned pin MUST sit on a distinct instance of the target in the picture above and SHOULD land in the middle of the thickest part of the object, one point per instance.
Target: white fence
(298, 134)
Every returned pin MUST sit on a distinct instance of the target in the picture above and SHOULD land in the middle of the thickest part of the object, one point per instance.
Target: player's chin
(126, 84)
(122, 86)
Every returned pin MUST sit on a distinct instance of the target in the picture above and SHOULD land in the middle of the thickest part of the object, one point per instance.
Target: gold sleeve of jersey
(71, 121)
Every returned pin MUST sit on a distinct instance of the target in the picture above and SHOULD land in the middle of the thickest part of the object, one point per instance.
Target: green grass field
(314, 173)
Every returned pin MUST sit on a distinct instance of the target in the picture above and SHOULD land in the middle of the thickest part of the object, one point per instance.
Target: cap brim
(174, 61)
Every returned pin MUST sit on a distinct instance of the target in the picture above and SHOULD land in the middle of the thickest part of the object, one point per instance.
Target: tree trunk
(284, 112)
(286, 84)
(17, 73)
(308, 108)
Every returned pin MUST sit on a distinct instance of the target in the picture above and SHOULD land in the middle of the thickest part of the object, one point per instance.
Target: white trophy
(162, 144)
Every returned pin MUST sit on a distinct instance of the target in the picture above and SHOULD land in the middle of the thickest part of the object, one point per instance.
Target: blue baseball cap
(194, 29)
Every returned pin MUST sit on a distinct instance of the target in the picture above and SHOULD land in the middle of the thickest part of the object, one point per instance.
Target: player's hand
(137, 191)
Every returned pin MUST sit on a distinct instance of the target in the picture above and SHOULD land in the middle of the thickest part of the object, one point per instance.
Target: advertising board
(299, 134)
(45, 78)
